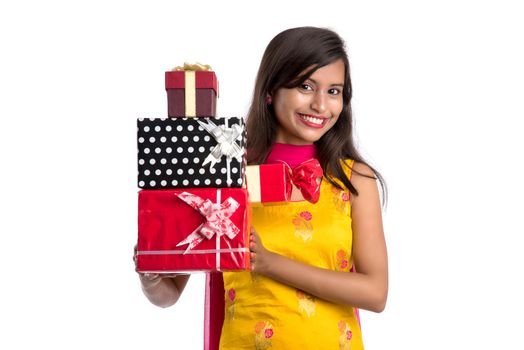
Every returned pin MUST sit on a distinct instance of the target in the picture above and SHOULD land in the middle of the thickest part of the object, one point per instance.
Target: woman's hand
(260, 256)
(161, 289)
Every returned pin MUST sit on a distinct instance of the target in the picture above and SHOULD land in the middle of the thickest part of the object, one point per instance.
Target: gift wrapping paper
(268, 183)
(191, 152)
(218, 229)
(191, 93)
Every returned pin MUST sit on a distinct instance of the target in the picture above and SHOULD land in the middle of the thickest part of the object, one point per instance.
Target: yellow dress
(261, 313)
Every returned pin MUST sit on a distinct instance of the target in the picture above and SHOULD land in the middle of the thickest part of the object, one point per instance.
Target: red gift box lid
(203, 80)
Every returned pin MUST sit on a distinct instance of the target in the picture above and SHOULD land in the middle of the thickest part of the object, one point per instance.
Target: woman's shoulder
(354, 169)
(359, 169)
(363, 179)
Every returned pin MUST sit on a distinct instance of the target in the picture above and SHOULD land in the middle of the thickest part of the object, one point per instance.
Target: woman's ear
(269, 100)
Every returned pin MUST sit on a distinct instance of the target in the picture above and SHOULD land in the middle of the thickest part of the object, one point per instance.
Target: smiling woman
(300, 293)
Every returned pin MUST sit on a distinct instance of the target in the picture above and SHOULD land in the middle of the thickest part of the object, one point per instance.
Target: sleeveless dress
(261, 313)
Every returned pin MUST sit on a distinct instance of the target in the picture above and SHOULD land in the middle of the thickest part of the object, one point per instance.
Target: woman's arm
(365, 289)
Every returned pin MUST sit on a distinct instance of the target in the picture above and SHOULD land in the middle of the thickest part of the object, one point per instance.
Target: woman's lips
(312, 120)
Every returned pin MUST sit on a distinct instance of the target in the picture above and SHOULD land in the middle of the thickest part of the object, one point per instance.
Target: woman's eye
(306, 87)
(334, 91)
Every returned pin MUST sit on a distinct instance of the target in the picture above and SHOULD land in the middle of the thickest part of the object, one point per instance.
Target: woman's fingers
(150, 276)
(253, 247)
(253, 240)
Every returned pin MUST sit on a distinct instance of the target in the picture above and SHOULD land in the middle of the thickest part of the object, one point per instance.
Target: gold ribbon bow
(193, 67)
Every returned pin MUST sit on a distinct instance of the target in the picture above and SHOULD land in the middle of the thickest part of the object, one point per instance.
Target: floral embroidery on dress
(303, 226)
(345, 335)
(342, 261)
(263, 335)
(306, 303)
(230, 303)
(340, 199)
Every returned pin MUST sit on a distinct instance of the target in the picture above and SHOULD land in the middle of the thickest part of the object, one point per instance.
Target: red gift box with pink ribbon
(193, 229)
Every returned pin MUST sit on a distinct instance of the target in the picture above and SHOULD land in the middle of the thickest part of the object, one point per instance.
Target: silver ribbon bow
(226, 145)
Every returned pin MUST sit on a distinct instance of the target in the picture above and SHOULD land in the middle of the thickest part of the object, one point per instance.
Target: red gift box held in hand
(278, 182)
(197, 229)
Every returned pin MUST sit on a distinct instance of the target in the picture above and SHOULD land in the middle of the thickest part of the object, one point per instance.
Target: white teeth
(313, 120)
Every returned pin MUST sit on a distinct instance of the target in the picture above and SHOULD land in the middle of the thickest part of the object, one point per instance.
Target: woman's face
(307, 112)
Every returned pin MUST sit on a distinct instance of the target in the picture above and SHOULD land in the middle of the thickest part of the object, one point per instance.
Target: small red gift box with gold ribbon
(195, 229)
(192, 91)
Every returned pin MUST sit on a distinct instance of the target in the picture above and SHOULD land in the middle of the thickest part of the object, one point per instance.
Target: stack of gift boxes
(193, 212)
(193, 206)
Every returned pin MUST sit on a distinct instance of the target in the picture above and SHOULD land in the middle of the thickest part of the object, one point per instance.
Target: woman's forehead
(331, 74)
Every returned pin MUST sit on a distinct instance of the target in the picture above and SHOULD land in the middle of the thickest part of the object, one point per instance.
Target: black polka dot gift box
(191, 152)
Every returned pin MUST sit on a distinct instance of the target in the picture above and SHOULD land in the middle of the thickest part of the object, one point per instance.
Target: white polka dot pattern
(172, 153)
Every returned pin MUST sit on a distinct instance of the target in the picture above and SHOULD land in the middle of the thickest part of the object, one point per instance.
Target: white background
(438, 102)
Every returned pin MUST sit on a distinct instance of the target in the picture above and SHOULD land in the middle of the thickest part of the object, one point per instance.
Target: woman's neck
(293, 155)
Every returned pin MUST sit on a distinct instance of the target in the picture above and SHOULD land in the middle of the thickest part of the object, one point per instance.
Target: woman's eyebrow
(316, 83)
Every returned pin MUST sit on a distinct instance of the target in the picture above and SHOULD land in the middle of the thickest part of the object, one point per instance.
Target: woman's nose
(318, 103)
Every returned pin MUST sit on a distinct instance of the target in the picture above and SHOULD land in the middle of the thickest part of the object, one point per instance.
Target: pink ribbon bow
(305, 177)
(217, 219)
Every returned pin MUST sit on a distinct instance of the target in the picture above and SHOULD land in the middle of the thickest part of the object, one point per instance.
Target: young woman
(300, 293)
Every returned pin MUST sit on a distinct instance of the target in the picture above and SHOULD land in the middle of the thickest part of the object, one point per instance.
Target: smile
(314, 121)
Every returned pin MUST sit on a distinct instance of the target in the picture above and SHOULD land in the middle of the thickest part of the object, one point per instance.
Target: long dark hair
(290, 58)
